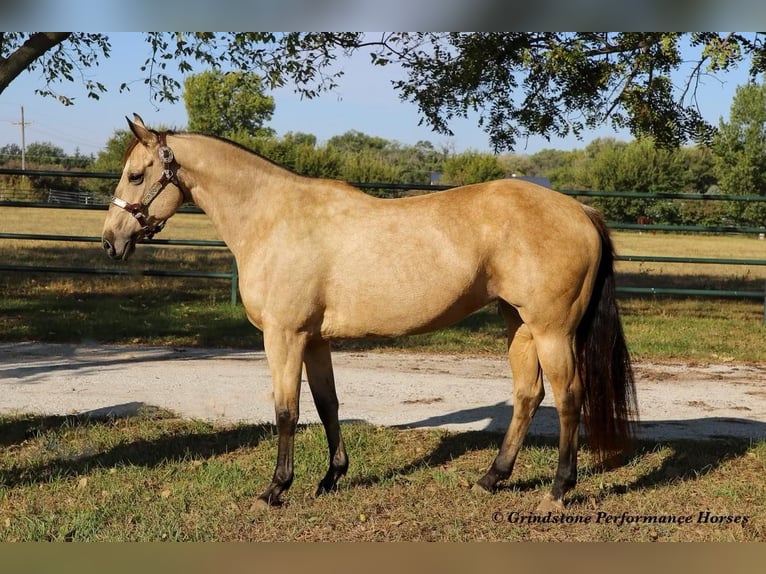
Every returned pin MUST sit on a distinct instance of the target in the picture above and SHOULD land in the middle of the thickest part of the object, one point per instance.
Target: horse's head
(140, 208)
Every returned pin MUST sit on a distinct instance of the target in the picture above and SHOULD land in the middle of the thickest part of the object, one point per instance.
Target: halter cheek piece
(169, 175)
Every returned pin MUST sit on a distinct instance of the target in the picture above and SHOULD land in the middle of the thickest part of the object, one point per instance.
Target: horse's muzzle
(117, 250)
(109, 248)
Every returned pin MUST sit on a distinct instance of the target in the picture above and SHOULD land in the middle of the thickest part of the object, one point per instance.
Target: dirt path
(676, 400)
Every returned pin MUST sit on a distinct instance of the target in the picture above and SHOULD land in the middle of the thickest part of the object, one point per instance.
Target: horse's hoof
(548, 504)
(479, 489)
(323, 489)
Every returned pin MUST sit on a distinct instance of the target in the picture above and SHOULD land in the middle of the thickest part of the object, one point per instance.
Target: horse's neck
(236, 189)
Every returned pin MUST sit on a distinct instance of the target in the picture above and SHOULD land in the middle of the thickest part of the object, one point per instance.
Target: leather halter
(169, 175)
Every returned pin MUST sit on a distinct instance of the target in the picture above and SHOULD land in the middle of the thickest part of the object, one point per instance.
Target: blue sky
(364, 101)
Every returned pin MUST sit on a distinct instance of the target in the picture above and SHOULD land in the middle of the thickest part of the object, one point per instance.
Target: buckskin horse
(320, 260)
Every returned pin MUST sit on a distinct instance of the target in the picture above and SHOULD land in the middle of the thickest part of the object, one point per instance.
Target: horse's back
(415, 264)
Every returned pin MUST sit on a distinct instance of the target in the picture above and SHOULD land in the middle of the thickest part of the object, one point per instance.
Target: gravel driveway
(676, 400)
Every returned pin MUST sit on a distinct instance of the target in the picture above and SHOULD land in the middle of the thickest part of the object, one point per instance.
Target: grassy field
(155, 477)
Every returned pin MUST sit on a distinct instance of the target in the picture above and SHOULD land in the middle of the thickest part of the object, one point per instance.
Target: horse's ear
(144, 134)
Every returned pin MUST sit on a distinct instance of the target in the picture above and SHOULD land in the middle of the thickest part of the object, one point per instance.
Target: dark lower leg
(558, 362)
(338, 457)
(566, 472)
(337, 469)
(285, 354)
(287, 422)
(322, 383)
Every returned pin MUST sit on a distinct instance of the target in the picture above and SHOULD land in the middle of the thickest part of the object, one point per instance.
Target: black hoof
(271, 496)
(486, 484)
(489, 481)
(329, 483)
(326, 489)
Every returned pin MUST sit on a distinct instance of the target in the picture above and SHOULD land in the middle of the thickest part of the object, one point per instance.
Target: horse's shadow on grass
(687, 460)
(451, 447)
(185, 444)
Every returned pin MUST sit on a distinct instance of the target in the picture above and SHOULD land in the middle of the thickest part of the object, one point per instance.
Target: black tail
(609, 407)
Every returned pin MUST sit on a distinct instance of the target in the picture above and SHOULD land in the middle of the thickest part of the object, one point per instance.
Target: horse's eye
(135, 178)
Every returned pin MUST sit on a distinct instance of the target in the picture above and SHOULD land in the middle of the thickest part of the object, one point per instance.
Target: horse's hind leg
(528, 392)
(558, 361)
(322, 383)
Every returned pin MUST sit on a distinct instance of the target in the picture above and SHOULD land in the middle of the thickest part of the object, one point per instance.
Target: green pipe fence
(399, 189)
(232, 275)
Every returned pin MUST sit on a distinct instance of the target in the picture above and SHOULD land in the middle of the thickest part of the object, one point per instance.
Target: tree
(78, 160)
(297, 151)
(368, 167)
(225, 104)
(641, 166)
(740, 151)
(699, 177)
(519, 83)
(740, 146)
(355, 141)
(300, 139)
(56, 54)
(548, 161)
(471, 167)
(418, 162)
(374, 159)
(699, 172)
(44, 153)
(10, 152)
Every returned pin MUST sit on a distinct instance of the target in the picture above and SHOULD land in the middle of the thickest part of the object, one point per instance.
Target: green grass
(695, 330)
(154, 477)
(149, 315)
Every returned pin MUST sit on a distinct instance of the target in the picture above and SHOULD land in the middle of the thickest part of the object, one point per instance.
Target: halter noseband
(169, 175)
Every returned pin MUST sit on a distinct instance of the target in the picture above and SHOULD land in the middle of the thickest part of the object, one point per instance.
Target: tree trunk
(35, 46)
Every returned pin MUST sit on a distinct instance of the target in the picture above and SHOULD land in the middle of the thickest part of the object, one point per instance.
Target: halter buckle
(166, 155)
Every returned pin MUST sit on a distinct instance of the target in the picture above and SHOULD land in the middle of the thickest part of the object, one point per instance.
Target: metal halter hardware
(169, 175)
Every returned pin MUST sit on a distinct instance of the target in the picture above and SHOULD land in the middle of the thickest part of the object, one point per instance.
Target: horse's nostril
(106, 245)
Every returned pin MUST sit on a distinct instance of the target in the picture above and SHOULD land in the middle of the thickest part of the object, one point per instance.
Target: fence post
(234, 281)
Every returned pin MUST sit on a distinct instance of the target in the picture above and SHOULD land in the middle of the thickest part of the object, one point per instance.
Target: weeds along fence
(90, 201)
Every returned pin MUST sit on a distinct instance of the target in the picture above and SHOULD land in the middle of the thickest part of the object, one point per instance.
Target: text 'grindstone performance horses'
(320, 260)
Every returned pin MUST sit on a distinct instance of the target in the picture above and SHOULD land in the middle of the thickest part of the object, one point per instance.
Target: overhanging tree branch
(514, 83)
(37, 45)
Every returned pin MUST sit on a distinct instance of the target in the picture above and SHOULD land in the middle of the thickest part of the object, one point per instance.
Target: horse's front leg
(322, 383)
(284, 351)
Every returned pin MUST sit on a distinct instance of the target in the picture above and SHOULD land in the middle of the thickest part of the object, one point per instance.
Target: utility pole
(22, 123)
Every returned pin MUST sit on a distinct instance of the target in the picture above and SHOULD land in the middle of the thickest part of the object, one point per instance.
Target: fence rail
(398, 189)
(232, 275)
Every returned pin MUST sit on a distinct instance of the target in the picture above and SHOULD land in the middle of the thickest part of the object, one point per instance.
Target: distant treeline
(604, 164)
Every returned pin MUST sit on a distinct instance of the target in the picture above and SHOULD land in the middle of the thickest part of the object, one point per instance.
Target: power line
(59, 136)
